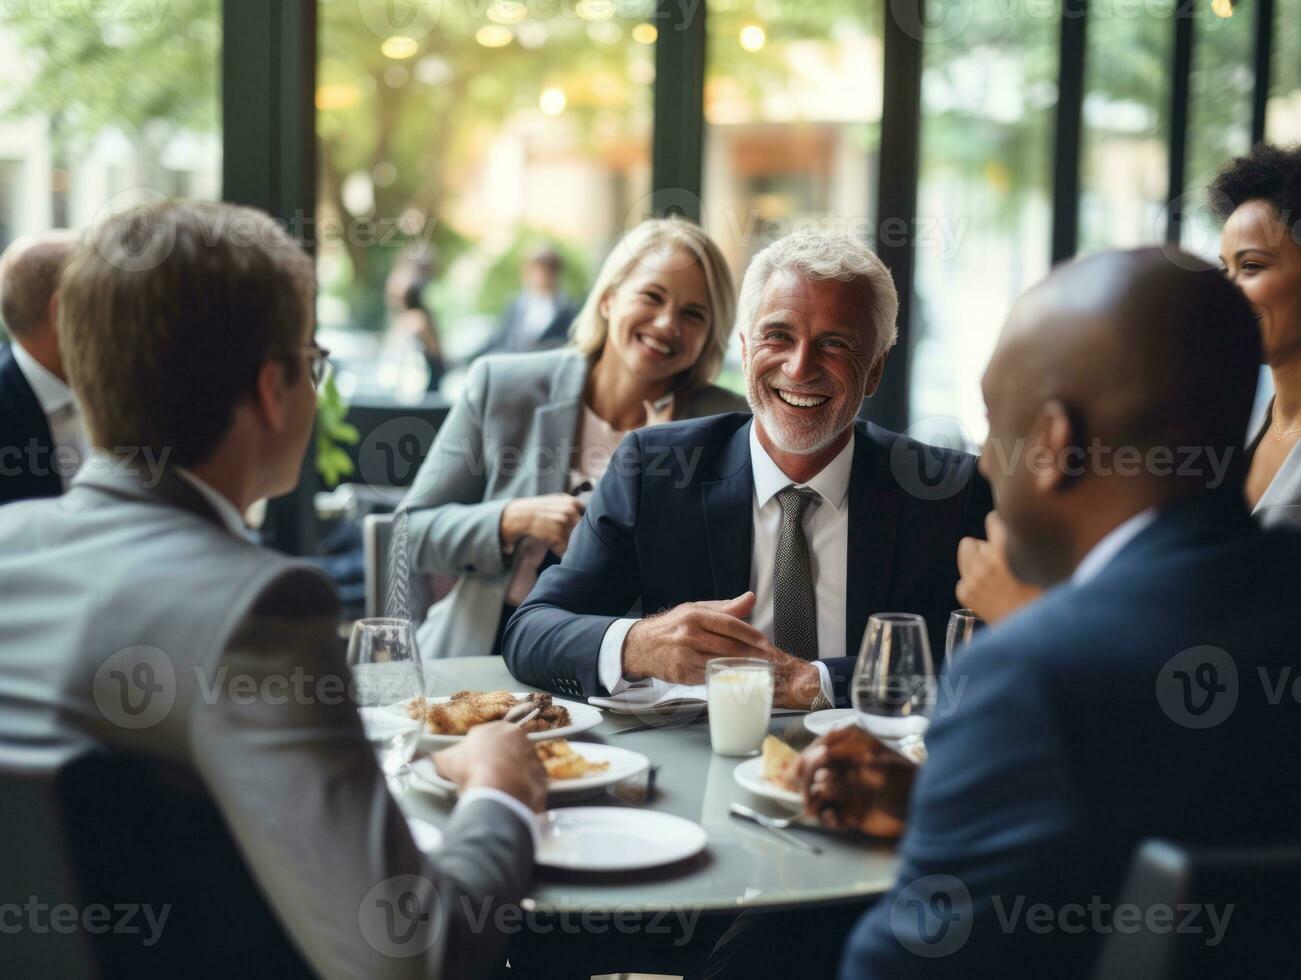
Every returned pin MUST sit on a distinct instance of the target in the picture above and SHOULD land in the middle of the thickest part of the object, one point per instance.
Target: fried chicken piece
(561, 761)
(469, 708)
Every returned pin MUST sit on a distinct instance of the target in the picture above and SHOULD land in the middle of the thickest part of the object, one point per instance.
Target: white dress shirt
(61, 412)
(1112, 543)
(230, 516)
(826, 528)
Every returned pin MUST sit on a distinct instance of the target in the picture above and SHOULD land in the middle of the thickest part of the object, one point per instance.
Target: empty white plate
(821, 722)
(623, 764)
(581, 718)
(614, 838)
(749, 775)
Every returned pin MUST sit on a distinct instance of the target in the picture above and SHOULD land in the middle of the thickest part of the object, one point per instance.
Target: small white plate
(821, 722)
(624, 763)
(749, 775)
(615, 838)
(581, 718)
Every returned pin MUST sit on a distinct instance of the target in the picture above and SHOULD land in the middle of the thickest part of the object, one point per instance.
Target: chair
(422, 590)
(1256, 893)
(89, 830)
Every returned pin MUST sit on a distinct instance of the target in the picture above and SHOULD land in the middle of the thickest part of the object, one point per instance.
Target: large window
(454, 140)
(792, 125)
(1221, 86)
(103, 106)
(982, 227)
(1126, 128)
(1283, 120)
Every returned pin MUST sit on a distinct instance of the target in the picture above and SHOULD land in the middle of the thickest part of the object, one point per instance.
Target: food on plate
(781, 764)
(561, 761)
(466, 709)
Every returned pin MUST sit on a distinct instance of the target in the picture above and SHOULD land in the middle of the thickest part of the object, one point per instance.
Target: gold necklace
(1283, 433)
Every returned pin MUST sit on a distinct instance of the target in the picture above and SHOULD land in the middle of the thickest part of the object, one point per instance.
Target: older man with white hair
(774, 535)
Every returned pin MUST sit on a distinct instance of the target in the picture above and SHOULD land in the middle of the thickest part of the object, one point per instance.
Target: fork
(777, 825)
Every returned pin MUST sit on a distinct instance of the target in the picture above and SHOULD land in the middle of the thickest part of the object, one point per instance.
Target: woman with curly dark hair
(1258, 197)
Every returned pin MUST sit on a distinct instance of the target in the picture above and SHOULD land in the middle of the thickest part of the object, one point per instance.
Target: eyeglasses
(319, 366)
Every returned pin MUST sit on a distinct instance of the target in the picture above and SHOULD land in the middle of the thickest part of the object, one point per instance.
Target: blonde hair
(664, 235)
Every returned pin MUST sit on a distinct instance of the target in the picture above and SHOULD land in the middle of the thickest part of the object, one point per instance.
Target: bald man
(41, 437)
(1140, 697)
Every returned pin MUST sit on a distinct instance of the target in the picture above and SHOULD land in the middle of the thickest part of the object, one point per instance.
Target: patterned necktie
(794, 605)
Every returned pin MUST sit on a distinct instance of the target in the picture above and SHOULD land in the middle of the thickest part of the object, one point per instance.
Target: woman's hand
(549, 519)
(986, 584)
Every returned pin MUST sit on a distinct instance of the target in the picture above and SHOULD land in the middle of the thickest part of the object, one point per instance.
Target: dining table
(743, 866)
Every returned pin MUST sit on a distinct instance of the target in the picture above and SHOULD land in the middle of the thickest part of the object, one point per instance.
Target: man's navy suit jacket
(1086, 723)
(671, 522)
(26, 446)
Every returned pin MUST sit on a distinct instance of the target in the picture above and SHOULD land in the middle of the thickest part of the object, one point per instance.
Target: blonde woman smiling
(507, 478)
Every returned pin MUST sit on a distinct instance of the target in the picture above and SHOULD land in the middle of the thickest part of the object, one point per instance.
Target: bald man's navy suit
(1141, 703)
(26, 445)
(671, 522)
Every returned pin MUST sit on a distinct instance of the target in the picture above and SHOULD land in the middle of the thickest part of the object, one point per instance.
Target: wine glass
(893, 688)
(963, 624)
(386, 675)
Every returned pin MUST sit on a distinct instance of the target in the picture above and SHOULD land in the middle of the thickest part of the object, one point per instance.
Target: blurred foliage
(332, 433)
(415, 125)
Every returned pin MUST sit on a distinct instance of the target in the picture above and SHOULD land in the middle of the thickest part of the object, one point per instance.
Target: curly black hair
(1269, 173)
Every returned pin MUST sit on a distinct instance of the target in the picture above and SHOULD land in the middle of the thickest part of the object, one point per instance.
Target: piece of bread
(781, 764)
(562, 762)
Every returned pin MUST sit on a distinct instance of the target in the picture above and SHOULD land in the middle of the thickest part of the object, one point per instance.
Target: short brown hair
(29, 276)
(167, 312)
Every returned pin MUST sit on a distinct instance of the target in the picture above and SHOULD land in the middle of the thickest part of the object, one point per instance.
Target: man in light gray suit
(138, 620)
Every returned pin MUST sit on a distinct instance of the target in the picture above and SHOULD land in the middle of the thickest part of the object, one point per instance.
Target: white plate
(615, 838)
(821, 722)
(581, 717)
(749, 775)
(624, 763)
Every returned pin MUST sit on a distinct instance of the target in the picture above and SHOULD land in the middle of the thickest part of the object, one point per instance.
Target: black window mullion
(677, 146)
(1263, 56)
(897, 194)
(1067, 137)
(1180, 92)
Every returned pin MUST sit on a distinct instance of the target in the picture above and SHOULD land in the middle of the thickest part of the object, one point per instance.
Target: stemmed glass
(387, 674)
(963, 624)
(893, 687)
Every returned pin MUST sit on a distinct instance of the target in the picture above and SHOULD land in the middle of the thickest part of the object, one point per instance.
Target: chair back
(1207, 913)
(376, 539)
(144, 874)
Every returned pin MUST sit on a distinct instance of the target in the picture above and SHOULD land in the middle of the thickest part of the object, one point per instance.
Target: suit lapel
(556, 423)
(874, 505)
(729, 522)
(25, 419)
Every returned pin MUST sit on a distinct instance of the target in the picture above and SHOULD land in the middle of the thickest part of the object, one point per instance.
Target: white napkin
(381, 724)
(653, 695)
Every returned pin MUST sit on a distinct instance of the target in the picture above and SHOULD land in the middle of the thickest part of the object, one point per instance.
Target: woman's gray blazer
(1280, 504)
(510, 435)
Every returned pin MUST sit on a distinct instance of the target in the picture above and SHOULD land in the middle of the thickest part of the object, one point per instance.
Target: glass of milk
(738, 691)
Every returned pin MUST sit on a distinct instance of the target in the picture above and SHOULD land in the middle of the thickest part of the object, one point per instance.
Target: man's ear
(874, 376)
(745, 351)
(1051, 435)
(271, 395)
